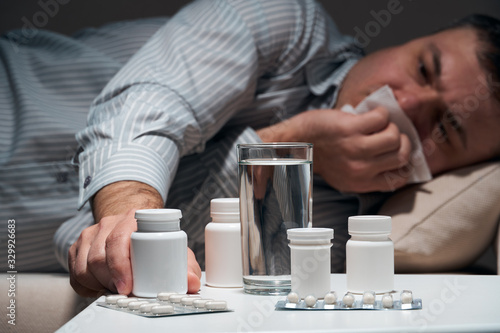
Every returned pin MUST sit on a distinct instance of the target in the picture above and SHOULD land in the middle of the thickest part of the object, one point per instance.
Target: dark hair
(488, 32)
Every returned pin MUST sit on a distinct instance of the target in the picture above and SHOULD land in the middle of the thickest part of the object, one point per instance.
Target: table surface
(451, 303)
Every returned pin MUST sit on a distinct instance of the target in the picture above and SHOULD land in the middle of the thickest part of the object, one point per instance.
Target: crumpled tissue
(417, 168)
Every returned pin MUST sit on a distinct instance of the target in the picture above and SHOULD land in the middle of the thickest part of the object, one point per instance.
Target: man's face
(438, 82)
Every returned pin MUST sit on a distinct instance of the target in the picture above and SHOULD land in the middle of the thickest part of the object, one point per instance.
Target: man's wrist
(121, 197)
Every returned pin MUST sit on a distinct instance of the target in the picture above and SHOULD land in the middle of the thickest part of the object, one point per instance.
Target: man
(225, 72)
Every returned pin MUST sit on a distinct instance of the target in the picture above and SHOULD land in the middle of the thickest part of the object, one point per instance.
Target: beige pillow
(447, 223)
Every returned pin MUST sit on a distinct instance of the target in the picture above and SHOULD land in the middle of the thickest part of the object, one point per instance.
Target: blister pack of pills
(369, 301)
(165, 304)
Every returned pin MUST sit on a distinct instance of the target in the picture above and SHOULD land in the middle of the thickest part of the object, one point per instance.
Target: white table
(451, 303)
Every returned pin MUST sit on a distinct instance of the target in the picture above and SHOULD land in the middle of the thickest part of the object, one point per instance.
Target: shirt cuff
(132, 162)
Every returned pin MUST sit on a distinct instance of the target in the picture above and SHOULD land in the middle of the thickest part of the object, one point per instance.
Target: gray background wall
(415, 17)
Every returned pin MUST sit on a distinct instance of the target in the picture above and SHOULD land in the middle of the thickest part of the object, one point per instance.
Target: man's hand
(100, 259)
(353, 153)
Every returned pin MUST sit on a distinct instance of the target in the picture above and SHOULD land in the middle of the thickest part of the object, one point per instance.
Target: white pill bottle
(158, 251)
(370, 254)
(310, 261)
(223, 264)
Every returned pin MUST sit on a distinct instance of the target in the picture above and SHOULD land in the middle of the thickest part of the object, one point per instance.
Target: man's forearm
(120, 197)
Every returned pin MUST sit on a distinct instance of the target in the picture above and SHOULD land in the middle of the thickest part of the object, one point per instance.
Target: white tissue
(418, 168)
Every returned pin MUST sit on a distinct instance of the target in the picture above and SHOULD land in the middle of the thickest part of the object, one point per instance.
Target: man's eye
(442, 130)
(454, 123)
(423, 71)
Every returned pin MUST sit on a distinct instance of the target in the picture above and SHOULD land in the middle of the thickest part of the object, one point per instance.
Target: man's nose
(418, 100)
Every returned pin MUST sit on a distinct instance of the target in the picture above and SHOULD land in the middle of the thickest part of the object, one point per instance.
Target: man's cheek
(430, 152)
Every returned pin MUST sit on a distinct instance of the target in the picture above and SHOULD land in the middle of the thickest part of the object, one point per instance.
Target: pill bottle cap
(369, 224)
(164, 219)
(225, 209)
(310, 235)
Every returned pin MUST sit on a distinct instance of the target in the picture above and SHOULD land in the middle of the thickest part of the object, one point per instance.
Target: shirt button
(62, 177)
(87, 181)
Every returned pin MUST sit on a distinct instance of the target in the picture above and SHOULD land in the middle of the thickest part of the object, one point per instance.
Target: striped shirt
(47, 83)
(171, 117)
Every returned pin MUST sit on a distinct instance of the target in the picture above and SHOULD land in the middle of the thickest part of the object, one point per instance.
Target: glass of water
(275, 186)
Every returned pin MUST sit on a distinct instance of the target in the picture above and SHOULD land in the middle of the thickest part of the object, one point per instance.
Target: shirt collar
(327, 73)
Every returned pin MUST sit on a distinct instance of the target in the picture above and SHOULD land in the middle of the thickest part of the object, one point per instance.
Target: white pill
(201, 302)
(135, 305)
(293, 297)
(162, 309)
(348, 299)
(216, 305)
(188, 300)
(331, 298)
(111, 299)
(387, 301)
(123, 302)
(145, 308)
(310, 300)
(406, 297)
(164, 296)
(369, 297)
(176, 298)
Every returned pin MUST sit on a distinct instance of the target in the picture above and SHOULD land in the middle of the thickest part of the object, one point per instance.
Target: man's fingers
(193, 283)
(78, 262)
(386, 141)
(401, 170)
(372, 121)
(193, 264)
(100, 259)
(194, 273)
(80, 290)
(395, 159)
(96, 260)
(83, 291)
(118, 254)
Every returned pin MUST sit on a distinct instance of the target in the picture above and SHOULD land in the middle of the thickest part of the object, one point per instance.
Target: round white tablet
(369, 297)
(348, 299)
(331, 298)
(310, 300)
(293, 297)
(406, 297)
(387, 301)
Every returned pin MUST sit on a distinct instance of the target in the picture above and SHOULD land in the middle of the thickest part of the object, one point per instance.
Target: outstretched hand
(99, 260)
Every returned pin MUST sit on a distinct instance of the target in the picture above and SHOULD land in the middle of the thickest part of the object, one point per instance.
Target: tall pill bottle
(158, 251)
(310, 261)
(223, 262)
(370, 254)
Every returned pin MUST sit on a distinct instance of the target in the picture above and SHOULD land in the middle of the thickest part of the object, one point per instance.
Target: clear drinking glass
(275, 186)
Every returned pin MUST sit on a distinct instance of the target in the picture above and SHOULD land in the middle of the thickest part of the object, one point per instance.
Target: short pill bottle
(223, 267)
(158, 251)
(310, 261)
(370, 254)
